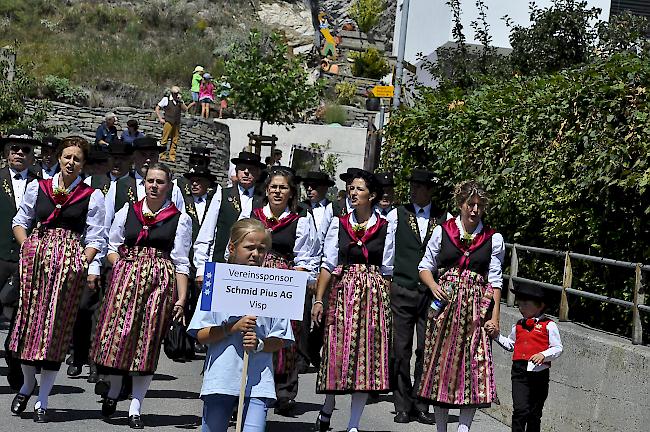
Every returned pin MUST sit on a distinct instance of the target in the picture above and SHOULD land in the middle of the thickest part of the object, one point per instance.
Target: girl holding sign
(228, 336)
(294, 238)
(149, 244)
(358, 259)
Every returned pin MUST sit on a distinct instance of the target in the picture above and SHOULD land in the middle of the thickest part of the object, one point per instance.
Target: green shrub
(61, 90)
(369, 64)
(335, 114)
(345, 92)
(366, 13)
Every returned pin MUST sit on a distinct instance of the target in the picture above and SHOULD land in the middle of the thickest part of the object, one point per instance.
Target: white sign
(247, 290)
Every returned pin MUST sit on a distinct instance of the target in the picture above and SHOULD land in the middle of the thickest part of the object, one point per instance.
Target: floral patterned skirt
(136, 312)
(52, 268)
(358, 332)
(458, 369)
(286, 359)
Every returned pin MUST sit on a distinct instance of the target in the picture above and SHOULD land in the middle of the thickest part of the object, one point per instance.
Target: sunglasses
(16, 148)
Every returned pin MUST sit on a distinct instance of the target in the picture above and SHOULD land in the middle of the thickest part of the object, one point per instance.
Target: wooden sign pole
(242, 393)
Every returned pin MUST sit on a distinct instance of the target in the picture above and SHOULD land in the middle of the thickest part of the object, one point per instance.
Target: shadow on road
(172, 394)
(275, 426)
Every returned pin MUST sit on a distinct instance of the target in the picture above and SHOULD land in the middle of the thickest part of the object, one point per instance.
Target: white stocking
(47, 382)
(140, 386)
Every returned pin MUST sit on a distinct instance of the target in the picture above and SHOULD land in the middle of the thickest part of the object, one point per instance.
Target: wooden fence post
(567, 280)
(639, 299)
(514, 267)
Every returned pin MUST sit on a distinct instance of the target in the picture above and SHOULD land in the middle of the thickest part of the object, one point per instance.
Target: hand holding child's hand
(250, 341)
(491, 329)
(538, 358)
(245, 324)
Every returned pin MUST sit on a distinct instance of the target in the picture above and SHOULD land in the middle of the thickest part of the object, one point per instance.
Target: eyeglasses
(16, 148)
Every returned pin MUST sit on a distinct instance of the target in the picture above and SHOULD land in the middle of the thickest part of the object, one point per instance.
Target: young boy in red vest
(535, 341)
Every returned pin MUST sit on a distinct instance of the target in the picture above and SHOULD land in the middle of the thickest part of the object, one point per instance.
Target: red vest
(528, 341)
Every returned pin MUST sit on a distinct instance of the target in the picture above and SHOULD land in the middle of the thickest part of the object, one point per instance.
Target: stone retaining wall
(75, 120)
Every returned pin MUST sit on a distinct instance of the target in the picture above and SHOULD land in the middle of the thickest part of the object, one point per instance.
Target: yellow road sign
(383, 91)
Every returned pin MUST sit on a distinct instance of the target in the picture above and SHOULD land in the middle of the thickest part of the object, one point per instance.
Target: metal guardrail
(637, 305)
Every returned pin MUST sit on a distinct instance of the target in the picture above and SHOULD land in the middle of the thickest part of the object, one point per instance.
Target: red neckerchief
(80, 192)
(454, 234)
(272, 223)
(357, 238)
(168, 212)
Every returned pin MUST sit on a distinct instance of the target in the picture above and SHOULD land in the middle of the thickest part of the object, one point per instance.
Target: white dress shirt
(331, 247)
(18, 185)
(199, 205)
(182, 242)
(553, 351)
(94, 235)
(495, 277)
(48, 173)
(204, 244)
(422, 216)
(177, 197)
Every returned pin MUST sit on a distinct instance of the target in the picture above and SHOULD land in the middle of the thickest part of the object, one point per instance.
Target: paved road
(172, 404)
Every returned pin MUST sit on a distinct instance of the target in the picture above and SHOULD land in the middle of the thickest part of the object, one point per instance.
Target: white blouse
(331, 246)
(305, 249)
(495, 277)
(94, 235)
(182, 243)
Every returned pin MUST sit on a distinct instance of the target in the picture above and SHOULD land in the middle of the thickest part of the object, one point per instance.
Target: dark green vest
(228, 215)
(101, 182)
(126, 191)
(409, 249)
(9, 249)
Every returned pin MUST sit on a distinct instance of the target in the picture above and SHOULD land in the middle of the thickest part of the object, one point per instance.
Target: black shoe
(284, 407)
(135, 422)
(322, 425)
(69, 360)
(402, 417)
(93, 376)
(74, 370)
(109, 406)
(40, 415)
(200, 348)
(19, 403)
(425, 418)
(101, 388)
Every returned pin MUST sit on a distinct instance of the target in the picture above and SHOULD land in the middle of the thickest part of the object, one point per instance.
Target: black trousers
(9, 297)
(410, 308)
(529, 392)
(84, 326)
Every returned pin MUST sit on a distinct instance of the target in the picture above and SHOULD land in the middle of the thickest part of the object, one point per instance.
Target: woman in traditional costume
(358, 258)
(54, 258)
(148, 247)
(468, 256)
(294, 246)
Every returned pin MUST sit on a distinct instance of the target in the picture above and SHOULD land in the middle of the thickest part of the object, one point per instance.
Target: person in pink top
(206, 95)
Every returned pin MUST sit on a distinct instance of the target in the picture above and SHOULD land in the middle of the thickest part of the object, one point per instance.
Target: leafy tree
(560, 36)
(624, 32)
(366, 13)
(267, 83)
(13, 95)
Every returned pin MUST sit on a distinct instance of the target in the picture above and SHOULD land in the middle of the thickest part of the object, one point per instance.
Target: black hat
(200, 171)
(51, 142)
(385, 179)
(419, 175)
(248, 158)
(318, 177)
(96, 155)
(147, 143)
(120, 148)
(527, 289)
(347, 176)
(19, 136)
(200, 151)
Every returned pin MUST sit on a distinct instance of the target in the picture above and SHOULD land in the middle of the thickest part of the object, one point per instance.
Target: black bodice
(351, 253)
(284, 239)
(72, 217)
(161, 235)
(450, 255)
